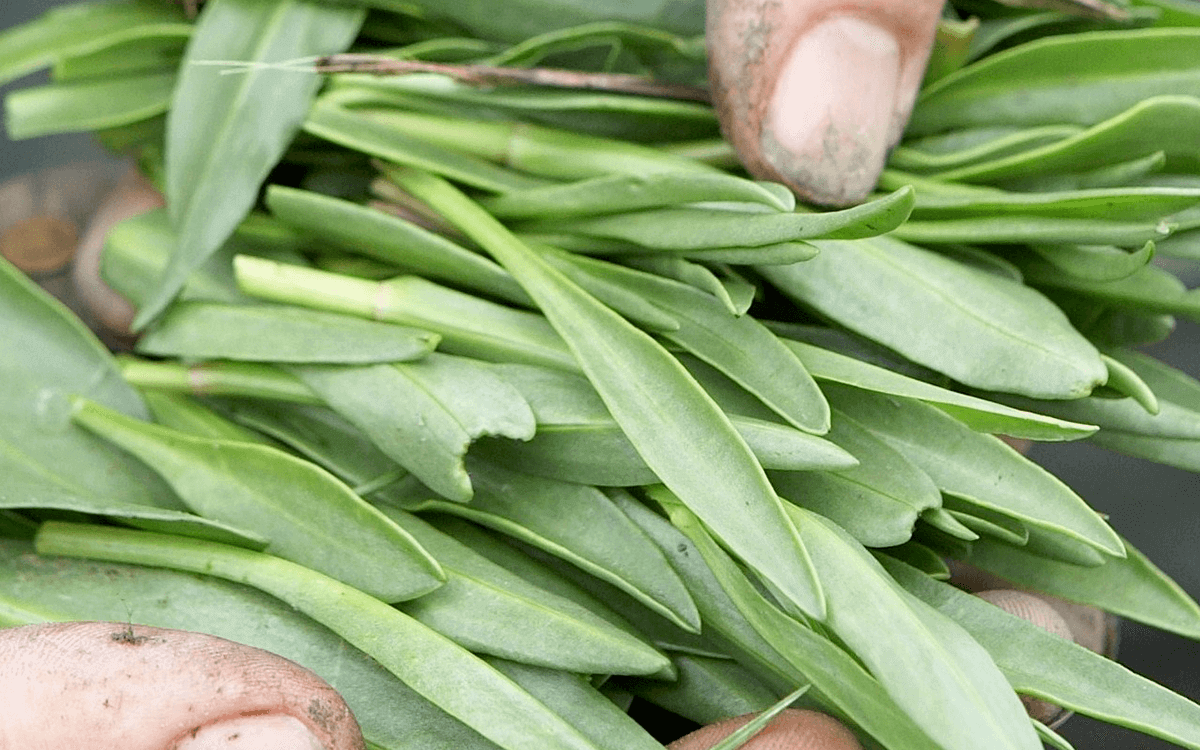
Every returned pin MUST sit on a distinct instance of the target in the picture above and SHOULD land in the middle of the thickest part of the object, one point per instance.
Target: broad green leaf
(157, 54)
(927, 664)
(489, 610)
(740, 347)
(1107, 326)
(979, 467)
(689, 229)
(226, 132)
(37, 589)
(1184, 244)
(185, 414)
(1126, 416)
(733, 290)
(520, 20)
(620, 193)
(1149, 288)
(708, 690)
(81, 28)
(919, 557)
(579, 524)
(962, 147)
(655, 401)
(1139, 171)
(585, 708)
(444, 673)
(425, 414)
(305, 514)
(135, 254)
(378, 235)
(1183, 453)
(321, 436)
(46, 356)
(516, 560)
(976, 413)
(87, 105)
(280, 333)
(773, 643)
(877, 502)
(468, 325)
(601, 454)
(1095, 262)
(1130, 586)
(977, 328)
(1054, 669)
(1074, 78)
(1151, 125)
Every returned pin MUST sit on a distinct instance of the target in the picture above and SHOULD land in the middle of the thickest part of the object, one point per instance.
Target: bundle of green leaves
(529, 389)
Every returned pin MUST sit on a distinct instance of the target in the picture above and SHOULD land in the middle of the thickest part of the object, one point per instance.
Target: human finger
(112, 686)
(132, 196)
(792, 729)
(813, 93)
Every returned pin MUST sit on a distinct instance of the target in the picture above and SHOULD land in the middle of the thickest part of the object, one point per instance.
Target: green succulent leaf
(980, 329)
(1130, 586)
(391, 714)
(622, 362)
(493, 705)
(87, 105)
(1073, 78)
(82, 28)
(304, 513)
(280, 333)
(425, 414)
(1051, 668)
(226, 132)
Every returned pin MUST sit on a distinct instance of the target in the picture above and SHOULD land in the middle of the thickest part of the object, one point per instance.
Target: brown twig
(485, 75)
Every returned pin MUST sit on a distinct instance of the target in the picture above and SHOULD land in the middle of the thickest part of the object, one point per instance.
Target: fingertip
(792, 729)
(814, 94)
(132, 687)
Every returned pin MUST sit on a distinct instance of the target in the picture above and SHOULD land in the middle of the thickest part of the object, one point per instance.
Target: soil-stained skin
(131, 687)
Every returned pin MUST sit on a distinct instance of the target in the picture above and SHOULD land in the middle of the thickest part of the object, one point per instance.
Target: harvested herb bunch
(530, 397)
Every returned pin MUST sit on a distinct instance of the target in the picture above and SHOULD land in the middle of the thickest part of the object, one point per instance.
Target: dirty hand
(814, 93)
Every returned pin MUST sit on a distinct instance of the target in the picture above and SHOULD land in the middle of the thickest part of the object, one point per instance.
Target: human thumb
(792, 729)
(814, 93)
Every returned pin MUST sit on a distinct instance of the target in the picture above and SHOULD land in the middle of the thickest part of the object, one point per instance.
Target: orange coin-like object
(39, 244)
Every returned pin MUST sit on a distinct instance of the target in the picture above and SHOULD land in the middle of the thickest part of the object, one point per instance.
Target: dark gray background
(1157, 508)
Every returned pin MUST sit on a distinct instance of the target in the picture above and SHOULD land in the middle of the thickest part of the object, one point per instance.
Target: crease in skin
(132, 687)
(771, 61)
